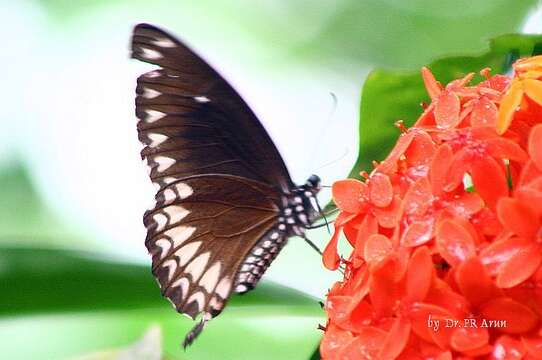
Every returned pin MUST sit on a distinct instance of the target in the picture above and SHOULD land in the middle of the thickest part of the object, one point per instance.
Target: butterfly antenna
(323, 128)
(343, 155)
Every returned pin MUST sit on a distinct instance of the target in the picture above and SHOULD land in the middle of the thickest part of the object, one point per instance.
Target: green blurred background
(73, 268)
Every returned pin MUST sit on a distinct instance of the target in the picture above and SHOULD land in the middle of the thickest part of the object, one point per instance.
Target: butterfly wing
(201, 233)
(218, 174)
(193, 121)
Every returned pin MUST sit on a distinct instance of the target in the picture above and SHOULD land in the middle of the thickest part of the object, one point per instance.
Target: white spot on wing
(156, 139)
(161, 220)
(153, 115)
(164, 163)
(180, 234)
(169, 195)
(240, 288)
(150, 54)
(196, 266)
(199, 297)
(164, 42)
(149, 93)
(216, 304)
(168, 180)
(176, 213)
(172, 266)
(223, 287)
(153, 74)
(201, 99)
(184, 284)
(186, 253)
(164, 245)
(184, 190)
(210, 278)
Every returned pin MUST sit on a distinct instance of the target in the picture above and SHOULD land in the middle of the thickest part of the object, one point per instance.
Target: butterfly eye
(314, 183)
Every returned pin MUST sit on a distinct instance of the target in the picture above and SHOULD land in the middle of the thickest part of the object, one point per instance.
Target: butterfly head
(313, 184)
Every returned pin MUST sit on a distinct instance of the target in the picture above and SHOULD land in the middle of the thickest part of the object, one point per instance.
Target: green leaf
(68, 304)
(389, 96)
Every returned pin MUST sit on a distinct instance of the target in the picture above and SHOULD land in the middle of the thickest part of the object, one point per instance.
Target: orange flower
(446, 231)
(526, 83)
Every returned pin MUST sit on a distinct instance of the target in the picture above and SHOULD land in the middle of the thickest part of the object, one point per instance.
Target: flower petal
(419, 276)
(389, 216)
(517, 217)
(529, 173)
(330, 257)
(474, 281)
(469, 338)
(368, 227)
(334, 341)
(454, 242)
(535, 145)
(337, 308)
(383, 293)
(418, 198)
(466, 204)
(458, 167)
(421, 314)
(502, 148)
(349, 195)
(499, 252)
(440, 165)
(533, 89)
(380, 190)
(520, 266)
(533, 345)
(484, 113)
(366, 345)
(516, 317)
(509, 104)
(489, 180)
(508, 348)
(390, 163)
(418, 233)
(421, 149)
(434, 88)
(447, 108)
(396, 339)
(377, 248)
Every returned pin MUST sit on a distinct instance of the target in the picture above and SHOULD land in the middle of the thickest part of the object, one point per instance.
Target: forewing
(193, 121)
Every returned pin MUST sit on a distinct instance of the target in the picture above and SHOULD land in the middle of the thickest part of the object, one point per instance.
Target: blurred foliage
(24, 218)
(149, 347)
(389, 96)
(75, 303)
(394, 33)
(407, 34)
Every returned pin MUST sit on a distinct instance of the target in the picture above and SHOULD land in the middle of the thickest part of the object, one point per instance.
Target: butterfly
(225, 204)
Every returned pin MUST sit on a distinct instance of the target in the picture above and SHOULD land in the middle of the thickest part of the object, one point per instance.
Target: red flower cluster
(447, 231)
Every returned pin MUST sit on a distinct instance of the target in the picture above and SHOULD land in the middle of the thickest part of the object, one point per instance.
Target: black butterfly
(225, 204)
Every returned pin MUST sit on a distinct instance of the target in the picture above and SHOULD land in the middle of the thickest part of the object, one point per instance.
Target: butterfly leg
(312, 245)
